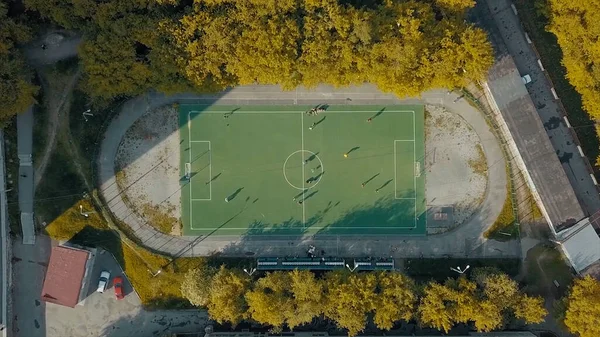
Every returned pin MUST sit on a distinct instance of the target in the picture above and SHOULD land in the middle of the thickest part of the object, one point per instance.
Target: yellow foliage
(227, 302)
(396, 299)
(270, 301)
(583, 308)
(531, 309)
(350, 298)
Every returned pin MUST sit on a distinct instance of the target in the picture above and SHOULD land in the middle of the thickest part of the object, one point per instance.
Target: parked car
(103, 282)
(118, 284)
(526, 79)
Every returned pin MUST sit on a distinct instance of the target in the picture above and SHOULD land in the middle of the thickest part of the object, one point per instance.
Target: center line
(303, 181)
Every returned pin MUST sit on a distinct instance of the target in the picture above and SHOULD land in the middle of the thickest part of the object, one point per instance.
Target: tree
(196, 285)
(227, 303)
(16, 91)
(583, 307)
(395, 300)
(270, 301)
(531, 309)
(349, 300)
(308, 293)
(434, 308)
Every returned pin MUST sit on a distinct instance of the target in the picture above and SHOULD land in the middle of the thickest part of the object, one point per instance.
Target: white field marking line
(396, 170)
(318, 228)
(414, 160)
(190, 161)
(209, 172)
(196, 112)
(303, 167)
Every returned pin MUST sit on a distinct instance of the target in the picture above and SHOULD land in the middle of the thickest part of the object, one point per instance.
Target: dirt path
(55, 106)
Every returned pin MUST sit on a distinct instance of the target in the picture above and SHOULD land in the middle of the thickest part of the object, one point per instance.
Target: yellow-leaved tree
(270, 302)
(583, 307)
(227, 303)
(396, 299)
(350, 298)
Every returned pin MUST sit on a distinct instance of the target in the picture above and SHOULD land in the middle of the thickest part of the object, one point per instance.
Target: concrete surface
(5, 272)
(466, 240)
(29, 270)
(148, 166)
(101, 314)
(513, 37)
(24, 148)
(451, 145)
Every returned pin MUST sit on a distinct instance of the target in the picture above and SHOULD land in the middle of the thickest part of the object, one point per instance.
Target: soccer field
(275, 170)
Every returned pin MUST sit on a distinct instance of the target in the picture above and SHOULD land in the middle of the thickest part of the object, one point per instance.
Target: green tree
(227, 303)
(395, 299)
(196, 285)
(583, 307)
(349, 300)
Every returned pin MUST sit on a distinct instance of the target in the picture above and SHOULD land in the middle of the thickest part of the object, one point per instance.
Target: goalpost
(188, 171)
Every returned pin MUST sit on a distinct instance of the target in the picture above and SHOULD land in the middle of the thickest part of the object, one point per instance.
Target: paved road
(26, 193)
(466, 240)
(513, 38)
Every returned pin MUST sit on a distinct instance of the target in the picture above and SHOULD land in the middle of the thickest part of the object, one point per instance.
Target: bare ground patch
(456, 169)
(148, 171)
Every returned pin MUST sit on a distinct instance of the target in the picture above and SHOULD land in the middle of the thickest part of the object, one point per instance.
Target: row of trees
(403, 46)
(16, 90)
(290, 299)
(576, 25)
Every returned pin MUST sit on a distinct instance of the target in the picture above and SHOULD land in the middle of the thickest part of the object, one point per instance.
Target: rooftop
(64, 276)
(539, 156)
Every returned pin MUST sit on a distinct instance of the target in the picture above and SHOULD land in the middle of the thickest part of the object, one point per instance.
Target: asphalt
(26, 193)
(513, 38)
(466, 240)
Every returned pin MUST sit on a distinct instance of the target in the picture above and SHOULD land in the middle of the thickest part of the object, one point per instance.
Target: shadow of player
(384, 185)
(312, 157)
(377, 114)
(309, 195)
(353, 149)
(234, 194)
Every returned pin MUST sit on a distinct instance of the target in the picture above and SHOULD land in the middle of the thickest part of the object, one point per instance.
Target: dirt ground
(456, 167)
(148, 168)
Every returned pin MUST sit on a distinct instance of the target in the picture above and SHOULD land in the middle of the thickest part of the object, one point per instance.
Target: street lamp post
(459, 270)
(155, 274)
(352, 269)
(249, 272)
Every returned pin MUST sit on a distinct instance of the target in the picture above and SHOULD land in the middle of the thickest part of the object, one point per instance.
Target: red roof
(64, 276)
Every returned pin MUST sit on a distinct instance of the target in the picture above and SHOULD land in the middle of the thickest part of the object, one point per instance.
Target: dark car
(118, 283)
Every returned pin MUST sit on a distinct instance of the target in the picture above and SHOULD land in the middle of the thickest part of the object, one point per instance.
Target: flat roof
(66, 269)
(581, 244)
(529, 134)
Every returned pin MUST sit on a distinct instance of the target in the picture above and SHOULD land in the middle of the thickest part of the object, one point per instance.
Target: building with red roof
(65, 276)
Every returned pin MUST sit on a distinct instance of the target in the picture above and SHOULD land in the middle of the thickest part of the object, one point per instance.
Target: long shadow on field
(357, 221)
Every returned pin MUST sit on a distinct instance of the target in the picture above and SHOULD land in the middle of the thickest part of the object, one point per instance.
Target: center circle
(308, 164)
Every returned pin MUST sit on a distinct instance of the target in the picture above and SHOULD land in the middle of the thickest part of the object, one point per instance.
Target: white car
(103, 282)
(526, 79)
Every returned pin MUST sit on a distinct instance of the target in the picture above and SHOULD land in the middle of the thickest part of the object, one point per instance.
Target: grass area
(161, 291)
(424, 270)
(505, 227)
(355, 164)
(544, 264)
(551, 56)
(479, 165)
(159, 217)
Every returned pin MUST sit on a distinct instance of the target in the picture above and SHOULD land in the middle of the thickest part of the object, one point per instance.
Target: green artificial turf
(261, 159)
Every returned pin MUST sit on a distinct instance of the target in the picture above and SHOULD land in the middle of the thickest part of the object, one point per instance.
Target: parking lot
(98, 315)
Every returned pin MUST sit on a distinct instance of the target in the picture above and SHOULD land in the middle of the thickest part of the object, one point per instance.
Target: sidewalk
(25, 146)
